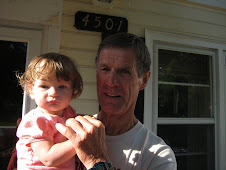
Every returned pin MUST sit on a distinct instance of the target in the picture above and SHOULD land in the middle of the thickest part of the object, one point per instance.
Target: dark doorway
(13, 57)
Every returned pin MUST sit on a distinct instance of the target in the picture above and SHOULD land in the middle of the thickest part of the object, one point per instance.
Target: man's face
(118, 84)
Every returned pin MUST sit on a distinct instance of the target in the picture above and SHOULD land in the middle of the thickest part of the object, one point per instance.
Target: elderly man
(115, 138)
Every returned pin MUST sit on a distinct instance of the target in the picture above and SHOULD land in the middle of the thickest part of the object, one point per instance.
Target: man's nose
(113, 79)
(53, 92)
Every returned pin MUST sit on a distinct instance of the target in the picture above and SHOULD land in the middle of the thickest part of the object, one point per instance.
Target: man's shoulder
(148, 142)
(156, 149)
(147, 135)
(152, 142)
(143, 149)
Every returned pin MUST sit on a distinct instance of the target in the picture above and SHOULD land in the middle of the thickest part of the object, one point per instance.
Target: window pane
(13, 55)
(7, 144)
(184, 101)
(175, 66)
(193, 145)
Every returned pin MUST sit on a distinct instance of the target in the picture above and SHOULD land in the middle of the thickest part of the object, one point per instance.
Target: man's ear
(145, 79)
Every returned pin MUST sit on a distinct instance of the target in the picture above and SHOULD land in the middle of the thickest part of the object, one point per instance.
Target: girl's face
(51, 95)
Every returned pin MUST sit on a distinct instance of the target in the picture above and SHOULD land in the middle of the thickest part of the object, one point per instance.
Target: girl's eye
(44, 87)
(62, 87)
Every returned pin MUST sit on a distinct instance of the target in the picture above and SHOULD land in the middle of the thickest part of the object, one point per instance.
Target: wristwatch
(102, 166)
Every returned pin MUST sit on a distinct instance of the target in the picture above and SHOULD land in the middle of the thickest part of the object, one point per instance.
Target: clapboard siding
(160, 15)
(173, 16)
(88, 74)
(89, 92)
(81, 57)
(177, 10)
(80, 41)
(89, 107)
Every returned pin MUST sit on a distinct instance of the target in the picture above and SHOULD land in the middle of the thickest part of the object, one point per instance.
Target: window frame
(34, 40)
(195, 44)
(182, 48)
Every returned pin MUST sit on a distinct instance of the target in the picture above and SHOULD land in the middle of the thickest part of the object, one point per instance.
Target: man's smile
(112, 95)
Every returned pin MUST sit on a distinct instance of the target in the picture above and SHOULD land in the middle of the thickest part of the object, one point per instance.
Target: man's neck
(117, 125)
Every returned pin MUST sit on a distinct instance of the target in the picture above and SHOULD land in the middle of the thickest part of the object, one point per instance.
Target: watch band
(102, 166)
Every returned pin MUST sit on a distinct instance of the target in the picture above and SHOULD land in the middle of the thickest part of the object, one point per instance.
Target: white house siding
(172, 16)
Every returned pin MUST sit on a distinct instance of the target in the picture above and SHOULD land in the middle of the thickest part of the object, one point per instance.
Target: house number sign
(100, 23)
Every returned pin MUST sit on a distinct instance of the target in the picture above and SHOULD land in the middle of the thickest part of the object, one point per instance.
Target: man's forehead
(117, 56)
(121, 64)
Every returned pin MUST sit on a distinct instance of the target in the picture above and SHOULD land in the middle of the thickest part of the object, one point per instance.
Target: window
(184, 85)
(11, 101)
(16, 47)
(184, 101)
(185, 91)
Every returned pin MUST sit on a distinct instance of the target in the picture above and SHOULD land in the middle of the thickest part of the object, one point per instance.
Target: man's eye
(105, 69)
(125, 72)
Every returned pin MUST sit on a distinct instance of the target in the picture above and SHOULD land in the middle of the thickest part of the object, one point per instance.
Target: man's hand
(87, 134)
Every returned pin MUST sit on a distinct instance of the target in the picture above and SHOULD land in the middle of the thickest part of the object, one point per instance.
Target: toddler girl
(52, 80)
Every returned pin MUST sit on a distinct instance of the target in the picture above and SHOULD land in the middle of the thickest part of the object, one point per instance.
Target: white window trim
(197, 50)
(152, 37)
(34, 40)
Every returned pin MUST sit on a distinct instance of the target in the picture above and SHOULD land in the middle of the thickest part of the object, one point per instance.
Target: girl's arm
(53, 154)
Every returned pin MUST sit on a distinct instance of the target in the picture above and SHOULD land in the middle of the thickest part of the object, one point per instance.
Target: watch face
(99, 166)
(102, 166)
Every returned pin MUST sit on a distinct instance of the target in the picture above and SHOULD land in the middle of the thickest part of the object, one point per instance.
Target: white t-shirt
(140, 149)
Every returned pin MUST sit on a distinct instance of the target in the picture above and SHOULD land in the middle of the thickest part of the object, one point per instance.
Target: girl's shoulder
(37, 114)
(31, 114)
(36, 125)
(69, 112)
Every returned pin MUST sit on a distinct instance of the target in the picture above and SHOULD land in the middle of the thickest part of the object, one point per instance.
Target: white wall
(32, 11)
(43, 15)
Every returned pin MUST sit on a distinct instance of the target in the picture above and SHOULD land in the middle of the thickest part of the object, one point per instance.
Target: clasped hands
(87, 134)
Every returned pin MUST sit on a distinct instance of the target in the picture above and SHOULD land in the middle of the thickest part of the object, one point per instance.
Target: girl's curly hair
(44, 64)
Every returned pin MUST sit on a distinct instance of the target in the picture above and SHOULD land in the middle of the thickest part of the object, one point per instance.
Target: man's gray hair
(128, 41)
